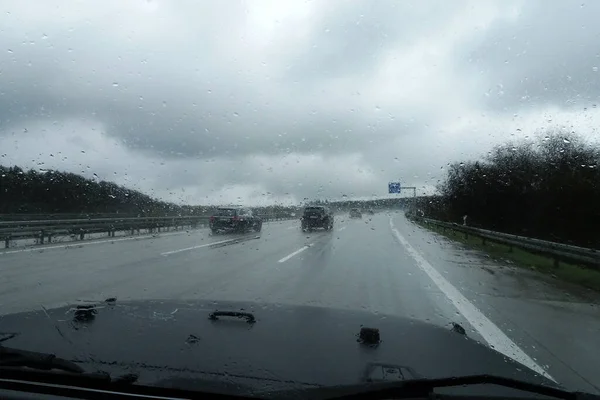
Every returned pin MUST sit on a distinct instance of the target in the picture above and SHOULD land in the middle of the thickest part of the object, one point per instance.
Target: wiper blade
(423, 388)
(10, 357)
(42, 367)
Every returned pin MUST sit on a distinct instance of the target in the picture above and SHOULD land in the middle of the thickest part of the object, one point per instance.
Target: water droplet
(595, 69)
(565, 140)
(115, 84)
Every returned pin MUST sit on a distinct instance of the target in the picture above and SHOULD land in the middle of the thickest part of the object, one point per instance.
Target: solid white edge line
(300, 250)
(493, 335)
(89, 243)
(166, 253)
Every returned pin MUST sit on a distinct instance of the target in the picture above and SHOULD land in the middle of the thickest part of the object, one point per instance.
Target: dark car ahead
(234, 219)
(316, 217)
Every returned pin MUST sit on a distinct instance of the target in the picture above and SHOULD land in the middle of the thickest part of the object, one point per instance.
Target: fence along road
(45, 229)
(559, 251)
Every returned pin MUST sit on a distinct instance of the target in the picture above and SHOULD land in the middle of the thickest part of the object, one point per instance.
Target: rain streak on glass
(250, 186)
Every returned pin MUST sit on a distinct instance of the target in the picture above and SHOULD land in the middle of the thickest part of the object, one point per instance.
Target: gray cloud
(266, 101)
(547, 55)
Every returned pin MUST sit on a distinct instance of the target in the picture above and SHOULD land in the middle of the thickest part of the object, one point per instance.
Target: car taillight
(212, 218)
(235, 218)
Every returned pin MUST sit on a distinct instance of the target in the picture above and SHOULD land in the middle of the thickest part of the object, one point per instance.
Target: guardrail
(44, 230)
(558, 251)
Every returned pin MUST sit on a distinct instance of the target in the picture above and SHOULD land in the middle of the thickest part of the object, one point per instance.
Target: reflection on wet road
(380, 263)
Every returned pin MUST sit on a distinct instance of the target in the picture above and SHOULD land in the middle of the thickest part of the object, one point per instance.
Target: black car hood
(170, 343)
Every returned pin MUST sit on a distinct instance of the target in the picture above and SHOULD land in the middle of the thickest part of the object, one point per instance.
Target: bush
(548, 189)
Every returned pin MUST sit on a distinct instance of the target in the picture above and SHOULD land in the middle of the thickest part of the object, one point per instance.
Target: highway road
(382, 263)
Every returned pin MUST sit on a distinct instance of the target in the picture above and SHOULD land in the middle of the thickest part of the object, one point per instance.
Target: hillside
(52, 192)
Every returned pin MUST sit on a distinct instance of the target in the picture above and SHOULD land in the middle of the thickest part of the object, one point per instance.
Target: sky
(261, 102)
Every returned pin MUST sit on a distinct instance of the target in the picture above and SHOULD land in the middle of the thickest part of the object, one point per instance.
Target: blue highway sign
(394, 187)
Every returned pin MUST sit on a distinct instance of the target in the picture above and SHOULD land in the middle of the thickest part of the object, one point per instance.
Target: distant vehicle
(234, 219)
(355, 213)
(316, 217)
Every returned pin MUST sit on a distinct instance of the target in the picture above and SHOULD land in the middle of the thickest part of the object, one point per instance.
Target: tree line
(49, 192)
(56, 192)
(547, 188)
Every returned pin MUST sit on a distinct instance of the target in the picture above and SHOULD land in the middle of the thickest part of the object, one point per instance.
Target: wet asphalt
(361, 264)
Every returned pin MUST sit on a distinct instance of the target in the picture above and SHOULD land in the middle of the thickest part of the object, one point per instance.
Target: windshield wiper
(43, 367)
(415, 388)
(10, 357)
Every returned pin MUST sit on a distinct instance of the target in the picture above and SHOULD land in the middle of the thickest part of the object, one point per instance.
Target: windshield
(420, 167)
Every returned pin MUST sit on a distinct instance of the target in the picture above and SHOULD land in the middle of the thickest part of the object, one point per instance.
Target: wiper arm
(10, 357)
(423, 387)
(42, 367)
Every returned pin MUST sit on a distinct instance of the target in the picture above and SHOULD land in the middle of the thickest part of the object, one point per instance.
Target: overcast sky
(276, 101)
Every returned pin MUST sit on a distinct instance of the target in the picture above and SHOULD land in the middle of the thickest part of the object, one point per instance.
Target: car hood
(175, 344)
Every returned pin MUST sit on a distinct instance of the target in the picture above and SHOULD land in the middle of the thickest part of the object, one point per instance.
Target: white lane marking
(341, 229)
(91, 242)
(166, 253)
(291, 227)
(486, 328)
(300, 250)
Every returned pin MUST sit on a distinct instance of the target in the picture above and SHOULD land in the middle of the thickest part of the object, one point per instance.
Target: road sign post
(396, 187)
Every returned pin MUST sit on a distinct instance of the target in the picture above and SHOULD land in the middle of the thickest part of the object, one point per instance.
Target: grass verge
(565, 271)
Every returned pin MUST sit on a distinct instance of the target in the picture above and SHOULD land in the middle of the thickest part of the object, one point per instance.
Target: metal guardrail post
(557, 251)
(43, 227)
